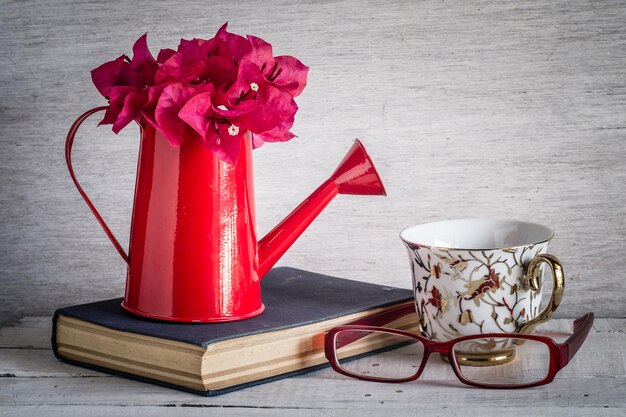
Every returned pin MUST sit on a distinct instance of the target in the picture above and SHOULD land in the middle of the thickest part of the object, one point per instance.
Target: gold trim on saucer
(499, 357)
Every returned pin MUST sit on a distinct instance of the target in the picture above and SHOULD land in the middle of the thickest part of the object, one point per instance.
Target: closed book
(214, 358)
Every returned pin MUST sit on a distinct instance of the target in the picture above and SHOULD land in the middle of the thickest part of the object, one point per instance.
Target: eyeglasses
(523, 360)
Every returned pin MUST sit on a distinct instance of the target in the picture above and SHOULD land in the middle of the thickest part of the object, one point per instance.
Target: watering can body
(194, 255)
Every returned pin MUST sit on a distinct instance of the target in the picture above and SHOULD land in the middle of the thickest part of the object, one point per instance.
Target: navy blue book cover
(292, 298)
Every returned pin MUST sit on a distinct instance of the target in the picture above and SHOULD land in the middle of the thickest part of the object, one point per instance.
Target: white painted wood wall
(510, 109)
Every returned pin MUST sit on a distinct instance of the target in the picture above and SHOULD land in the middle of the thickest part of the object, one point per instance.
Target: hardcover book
(214, 358)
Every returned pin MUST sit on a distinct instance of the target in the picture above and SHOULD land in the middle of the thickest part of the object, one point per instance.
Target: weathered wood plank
(209, 410)
(612, 325)
(33, 363)
(314, 393)
(29, 332)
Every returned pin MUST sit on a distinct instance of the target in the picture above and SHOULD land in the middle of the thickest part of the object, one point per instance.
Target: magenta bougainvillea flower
(212, 90)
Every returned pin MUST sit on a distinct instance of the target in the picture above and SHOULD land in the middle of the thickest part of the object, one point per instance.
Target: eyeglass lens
(503, 361)
(396, 356)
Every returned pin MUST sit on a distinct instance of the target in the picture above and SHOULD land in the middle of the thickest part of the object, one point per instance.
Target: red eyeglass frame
(560, 353)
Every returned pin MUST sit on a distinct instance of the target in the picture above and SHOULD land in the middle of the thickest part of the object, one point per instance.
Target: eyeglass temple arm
(582, 326)
(386, 317)
(377, 320)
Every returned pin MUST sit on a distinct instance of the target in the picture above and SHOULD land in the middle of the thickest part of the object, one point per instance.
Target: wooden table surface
(33, 382)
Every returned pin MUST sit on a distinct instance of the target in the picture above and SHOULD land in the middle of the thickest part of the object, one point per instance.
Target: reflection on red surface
(193, 241)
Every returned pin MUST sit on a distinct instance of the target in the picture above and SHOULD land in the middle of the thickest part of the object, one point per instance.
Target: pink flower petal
(106, 75)
(286, 72)
(221, 72)
(138, 72)
(238, 110)
(141, 53)
(187, 64)
(234, 46)
(257, 141)
(124, 106)
(280, 133)
(225, 145)
(131, 109)
(164, 55)
(110, 116)
(198, 113)
(292, 76)
(261, 52)
(246, 95)
(247, 74)
(273, 107)
(154, 93)
(171, 101)
(143, 65)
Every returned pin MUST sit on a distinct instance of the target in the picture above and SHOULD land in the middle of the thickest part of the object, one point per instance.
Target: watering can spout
(354, 175)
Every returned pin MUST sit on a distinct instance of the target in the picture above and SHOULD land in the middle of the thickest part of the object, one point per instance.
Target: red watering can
(193, 252)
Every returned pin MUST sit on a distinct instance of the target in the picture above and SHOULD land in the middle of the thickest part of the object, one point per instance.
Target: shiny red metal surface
(193, 253)
(193, 240)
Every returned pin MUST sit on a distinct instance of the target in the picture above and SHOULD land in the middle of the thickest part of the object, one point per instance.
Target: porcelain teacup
(478, 276)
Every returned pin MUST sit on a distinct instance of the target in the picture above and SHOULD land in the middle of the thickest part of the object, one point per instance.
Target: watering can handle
(68, 158)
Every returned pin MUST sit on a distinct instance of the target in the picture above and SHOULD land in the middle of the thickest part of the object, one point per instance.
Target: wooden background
(510, 109)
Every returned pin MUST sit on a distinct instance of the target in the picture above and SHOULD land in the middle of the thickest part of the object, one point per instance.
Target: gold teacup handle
(532, 281)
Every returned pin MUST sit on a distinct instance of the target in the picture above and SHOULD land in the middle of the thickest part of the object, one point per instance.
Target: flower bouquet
(218, 88)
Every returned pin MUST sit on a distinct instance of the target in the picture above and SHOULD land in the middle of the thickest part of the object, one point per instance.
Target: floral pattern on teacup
(460, 292)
